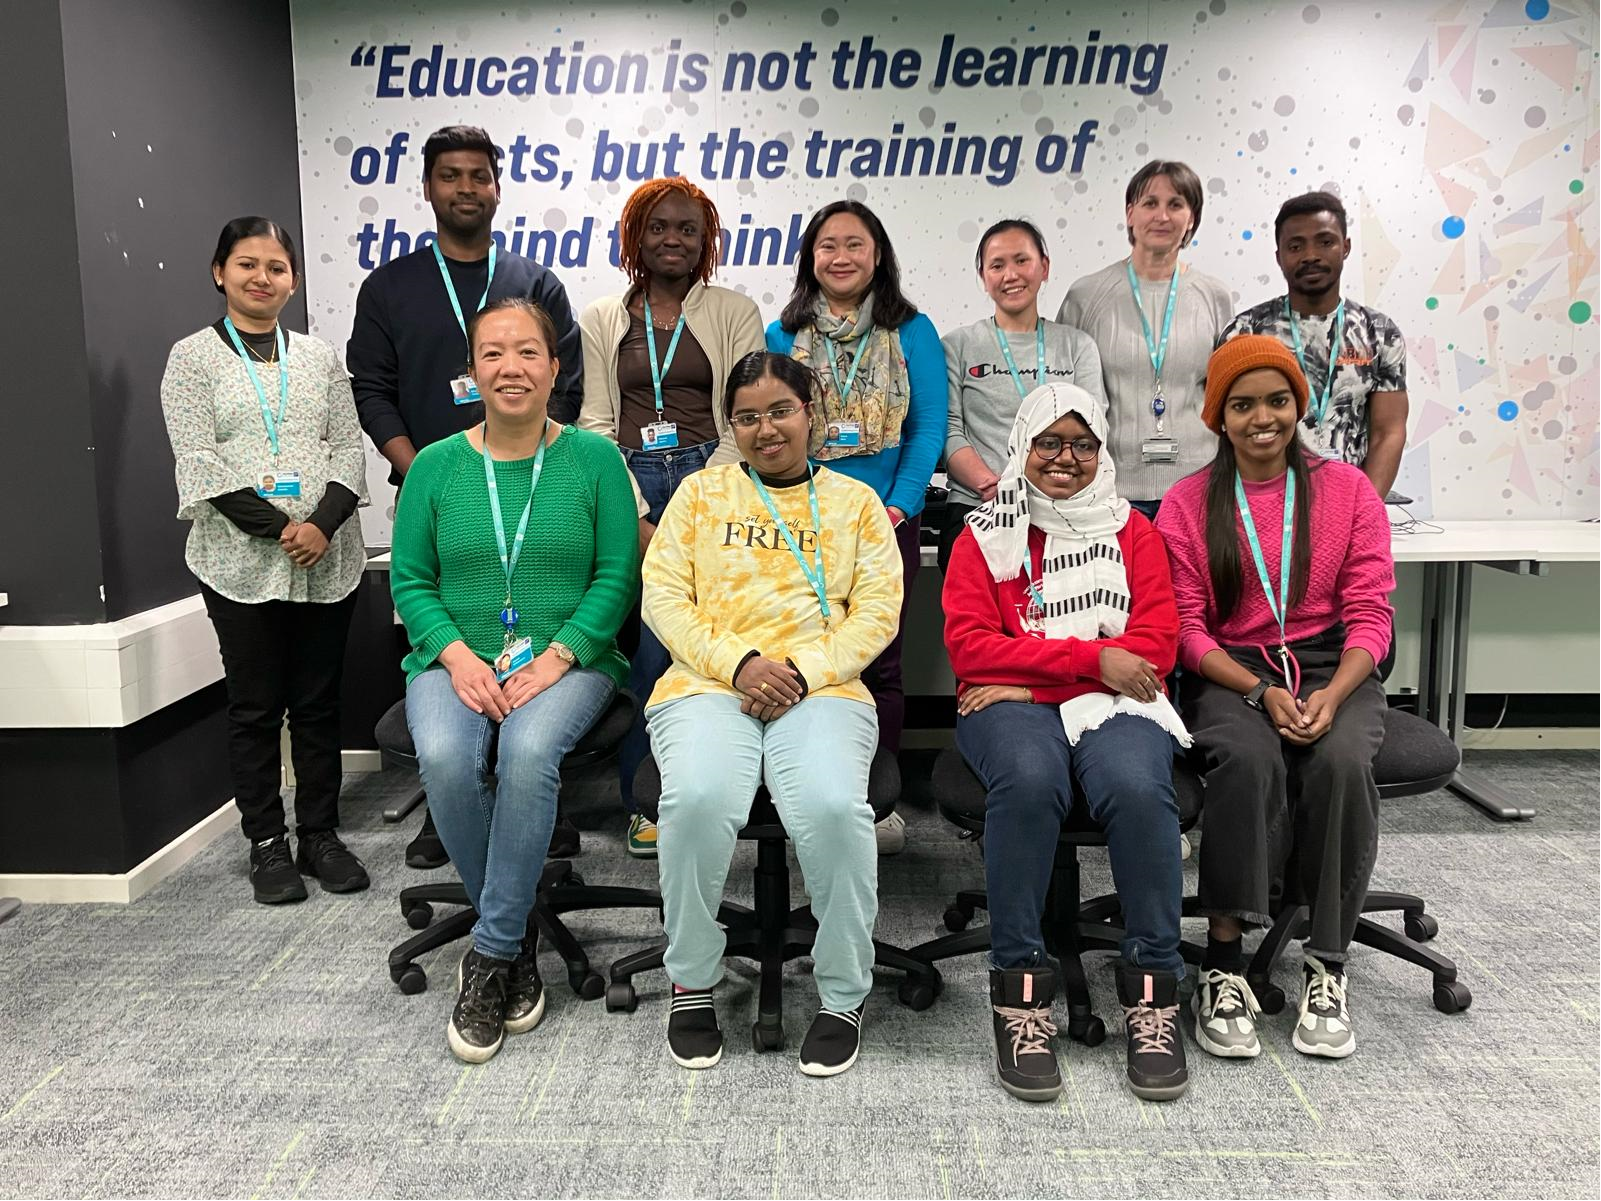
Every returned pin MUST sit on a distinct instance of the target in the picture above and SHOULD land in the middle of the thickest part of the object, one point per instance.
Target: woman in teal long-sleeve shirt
(882, 419)
(516, 559)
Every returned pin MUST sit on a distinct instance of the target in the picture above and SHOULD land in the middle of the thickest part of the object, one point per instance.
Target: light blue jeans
(815, 762)
(492, 789)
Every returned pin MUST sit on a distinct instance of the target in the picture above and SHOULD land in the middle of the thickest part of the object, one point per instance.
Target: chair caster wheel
(621, 997)
(418, 915)
(1420, 927)
(1270, 997)
(411, 978)
(1451, 996)
(956, 919)
(1090, 1031)
(916, 995)
(589, 986)
(766, 1038)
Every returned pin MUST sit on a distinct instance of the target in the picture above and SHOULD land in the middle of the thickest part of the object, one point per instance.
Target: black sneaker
(272, 872)
(1156, 1068)
(478, 1023)
(426, 850)
(324, 856)
(694, 1039)
(1020, 1001)
(525, 995)
(833, 1042)
(563, 839)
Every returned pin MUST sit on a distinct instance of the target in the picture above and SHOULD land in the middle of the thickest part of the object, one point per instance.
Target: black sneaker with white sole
(324, 855)
(478, 1023)
(272, 872)
(694, 1039)
(833, 1042)
(1020, 1011)
(525, 993)
(1156, 1067)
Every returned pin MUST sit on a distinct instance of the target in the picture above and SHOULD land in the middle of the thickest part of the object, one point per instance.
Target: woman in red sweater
(1282, 569)
(1060, 625)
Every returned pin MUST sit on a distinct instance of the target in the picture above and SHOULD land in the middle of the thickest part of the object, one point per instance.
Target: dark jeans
(1288, 824)
(277, 656)
(1125, 768)
(955, 521)
(883, 674)
(1148, 507)
(658, 472)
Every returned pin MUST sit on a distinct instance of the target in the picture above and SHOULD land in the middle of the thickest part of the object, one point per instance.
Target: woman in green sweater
(516, 558)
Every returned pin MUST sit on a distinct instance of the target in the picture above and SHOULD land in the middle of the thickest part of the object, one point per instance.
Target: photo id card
(1159, 450)
(658, 435)
(844, 433)
(463, 391)
(278, 484)
(514, 658)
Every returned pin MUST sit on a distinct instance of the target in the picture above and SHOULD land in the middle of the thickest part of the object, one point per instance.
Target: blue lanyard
(812, 571)
(508, 562)
(1157, 349)
(843, 390)
(657, 374)
(1281, 609)
(1039, 356)
(1035, 594)
(267, 418)
(450, 287)
(1320, 402)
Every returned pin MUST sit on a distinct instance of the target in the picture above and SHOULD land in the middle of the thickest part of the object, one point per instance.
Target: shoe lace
(1152, 1026)
(479, 981)
(1325, 991)
(275, 854)
(1030, 1029)
(326, 845)
(1234, 992)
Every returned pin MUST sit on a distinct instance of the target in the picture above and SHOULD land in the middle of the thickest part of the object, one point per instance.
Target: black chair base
(770, 934)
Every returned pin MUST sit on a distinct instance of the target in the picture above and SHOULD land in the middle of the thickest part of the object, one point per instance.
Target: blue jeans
(492, 789)
(1125, 767)
(659, 472)
(815, 761)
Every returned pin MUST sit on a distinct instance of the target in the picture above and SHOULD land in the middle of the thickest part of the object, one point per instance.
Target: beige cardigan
(727, 325)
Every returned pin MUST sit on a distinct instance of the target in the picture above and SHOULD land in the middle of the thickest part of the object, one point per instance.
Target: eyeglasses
(749, 421)
(1049, 446)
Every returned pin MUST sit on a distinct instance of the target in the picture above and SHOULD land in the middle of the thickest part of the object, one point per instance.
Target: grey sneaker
(1324, 1027)
(1225, 1015)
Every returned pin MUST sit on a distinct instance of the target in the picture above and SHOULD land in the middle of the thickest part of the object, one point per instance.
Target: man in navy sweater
(408, 347)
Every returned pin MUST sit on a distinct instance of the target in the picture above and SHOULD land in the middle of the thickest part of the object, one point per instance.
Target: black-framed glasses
(749, 421)
(1049, 446)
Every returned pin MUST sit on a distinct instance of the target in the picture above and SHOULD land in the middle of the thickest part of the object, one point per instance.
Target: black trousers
(278, 656)
(1288, 824)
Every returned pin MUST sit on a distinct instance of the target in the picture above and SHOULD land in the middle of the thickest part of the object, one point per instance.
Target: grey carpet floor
(196, 1044)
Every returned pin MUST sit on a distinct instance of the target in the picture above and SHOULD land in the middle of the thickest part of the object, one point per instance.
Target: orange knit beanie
(1246, 353)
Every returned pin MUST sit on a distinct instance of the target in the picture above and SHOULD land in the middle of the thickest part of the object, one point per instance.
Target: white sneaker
(1225, 1015)
(1324, 1027)
(891, 833)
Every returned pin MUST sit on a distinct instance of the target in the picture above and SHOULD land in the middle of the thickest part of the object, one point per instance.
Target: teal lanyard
(843, 390)
(1035, 594)
(450, 287)
(1281, 608)
(657, 374)
(813, 571)
(1011, 364)
(1158, 350)
(1320, 402)
(267, 419)
(508, 561)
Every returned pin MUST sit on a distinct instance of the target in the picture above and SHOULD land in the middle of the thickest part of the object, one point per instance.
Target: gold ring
(764, 686)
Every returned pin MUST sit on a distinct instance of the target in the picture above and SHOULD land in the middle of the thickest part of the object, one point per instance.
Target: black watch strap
(1253, 698)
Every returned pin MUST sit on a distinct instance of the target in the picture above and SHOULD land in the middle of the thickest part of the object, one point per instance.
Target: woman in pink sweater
(1282, 573)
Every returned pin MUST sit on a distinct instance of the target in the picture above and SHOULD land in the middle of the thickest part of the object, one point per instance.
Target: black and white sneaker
(478, 1023)
(525, 994)
(1324, 1025)
(1225, 1015)
(272, 872)
(324, 855)
(833, 1042)
(694, 1039)
(1020, 1009)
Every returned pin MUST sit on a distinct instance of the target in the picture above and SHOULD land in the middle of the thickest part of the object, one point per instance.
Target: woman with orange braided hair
(656, 359)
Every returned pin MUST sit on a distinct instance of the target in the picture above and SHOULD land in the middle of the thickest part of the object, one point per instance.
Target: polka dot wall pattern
(1461, 134)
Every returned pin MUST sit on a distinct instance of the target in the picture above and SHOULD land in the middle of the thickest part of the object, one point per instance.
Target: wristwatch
(564, 653)
(1254, 697)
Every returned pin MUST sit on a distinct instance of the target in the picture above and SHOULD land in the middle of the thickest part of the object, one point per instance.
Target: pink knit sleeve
(1367, 576)
(1180, 522)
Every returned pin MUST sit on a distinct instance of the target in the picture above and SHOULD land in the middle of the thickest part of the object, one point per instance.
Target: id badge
(658, 435)
(844, 433)
(514, 658)
(463, 391)
(280, 484)
(1159, 450)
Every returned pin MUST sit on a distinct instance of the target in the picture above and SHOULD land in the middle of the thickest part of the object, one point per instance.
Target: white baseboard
(1534, 738)
(126, 887)
(359, 762)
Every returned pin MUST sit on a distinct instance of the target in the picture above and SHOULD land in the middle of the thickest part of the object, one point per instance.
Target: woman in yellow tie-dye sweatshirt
(773, 582)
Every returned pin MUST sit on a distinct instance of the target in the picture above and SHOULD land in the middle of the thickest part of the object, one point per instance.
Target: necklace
(262, 358)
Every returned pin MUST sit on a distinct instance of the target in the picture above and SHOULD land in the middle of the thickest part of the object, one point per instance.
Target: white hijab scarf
(1084, 582)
